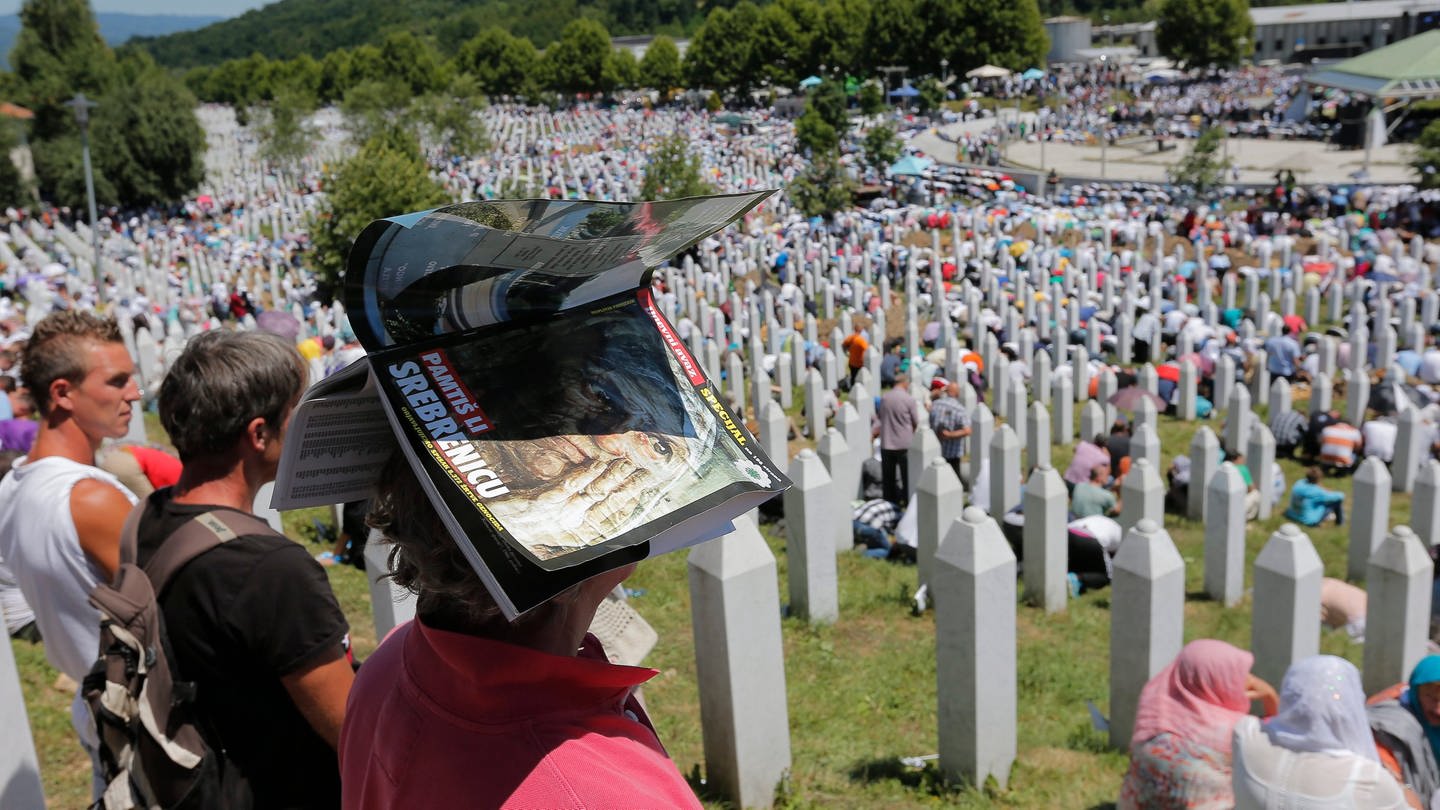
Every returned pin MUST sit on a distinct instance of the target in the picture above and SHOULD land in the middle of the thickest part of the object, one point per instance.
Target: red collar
(492, 681)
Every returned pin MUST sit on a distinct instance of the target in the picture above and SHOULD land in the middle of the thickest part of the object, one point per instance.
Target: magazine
(518, 360)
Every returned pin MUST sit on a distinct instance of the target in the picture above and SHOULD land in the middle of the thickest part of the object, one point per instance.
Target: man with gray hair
(252, 622)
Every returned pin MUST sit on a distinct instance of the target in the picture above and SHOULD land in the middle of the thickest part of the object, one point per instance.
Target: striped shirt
(1340, 445)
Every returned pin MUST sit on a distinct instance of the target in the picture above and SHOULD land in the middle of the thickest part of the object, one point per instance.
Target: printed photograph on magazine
(572, 436)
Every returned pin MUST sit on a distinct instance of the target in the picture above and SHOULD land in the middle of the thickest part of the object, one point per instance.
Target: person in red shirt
(460, 708)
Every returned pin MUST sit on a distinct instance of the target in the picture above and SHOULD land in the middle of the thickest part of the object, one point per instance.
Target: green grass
(861, 692)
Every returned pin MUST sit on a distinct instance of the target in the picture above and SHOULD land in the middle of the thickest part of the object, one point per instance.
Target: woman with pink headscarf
(1180, 752)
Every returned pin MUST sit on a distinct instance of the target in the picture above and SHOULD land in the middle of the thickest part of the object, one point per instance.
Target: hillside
(289, 28)
(115, 27)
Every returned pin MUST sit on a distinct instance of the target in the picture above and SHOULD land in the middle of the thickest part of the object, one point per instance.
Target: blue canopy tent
(910, 165)
(810, 81)
(904, 91)
(1033, 73)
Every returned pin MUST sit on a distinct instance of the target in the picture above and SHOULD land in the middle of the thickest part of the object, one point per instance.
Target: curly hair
(425, 560)
(56, 350)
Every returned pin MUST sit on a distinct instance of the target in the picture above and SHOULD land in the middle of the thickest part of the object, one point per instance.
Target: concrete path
(1137, 160)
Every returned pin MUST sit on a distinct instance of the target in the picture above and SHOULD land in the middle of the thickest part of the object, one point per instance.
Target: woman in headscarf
(1405, 720)
(1180, 752)
(1317, 753)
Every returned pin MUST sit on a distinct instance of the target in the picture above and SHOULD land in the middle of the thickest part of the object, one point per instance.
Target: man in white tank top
(60, 515)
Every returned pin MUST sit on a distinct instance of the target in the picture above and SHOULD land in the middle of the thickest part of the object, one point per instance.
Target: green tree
(673, 172)
(970, 33)
(722, 54)
(504, 65)
(1427, 155)
(871, 97)
(660, 67)
(371, 107)
(621, 70)
(881, 147)
(1199, 32)
(58, 53)
(285, 137)
(1204, 168)
(334, 75)
(839, 42)
(780, 46)
(413, 62)
(146, 139)
(823, 188)
(814, 133)
(892, 37)
(829, 102)
(387, 176)
(932, 95)
(577, 62)
(447, 118)
(15, 192)
(301, 75)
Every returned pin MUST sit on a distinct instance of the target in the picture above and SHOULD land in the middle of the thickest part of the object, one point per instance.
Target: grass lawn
(862, 691)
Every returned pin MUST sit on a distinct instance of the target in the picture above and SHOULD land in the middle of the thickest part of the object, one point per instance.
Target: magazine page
(474, 264)
(337, 442)
(572, 445)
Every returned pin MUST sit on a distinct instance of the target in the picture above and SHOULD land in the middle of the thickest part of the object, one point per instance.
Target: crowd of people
(218, 319)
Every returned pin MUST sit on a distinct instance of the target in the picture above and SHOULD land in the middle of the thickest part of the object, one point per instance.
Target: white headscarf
(1322, 709)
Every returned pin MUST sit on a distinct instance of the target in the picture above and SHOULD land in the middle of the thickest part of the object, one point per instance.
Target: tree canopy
(385, 177)
(1201, 32)
(673, 172)
(146, 142)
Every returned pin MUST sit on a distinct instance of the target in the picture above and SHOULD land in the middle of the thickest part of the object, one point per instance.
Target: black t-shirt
(238, 618)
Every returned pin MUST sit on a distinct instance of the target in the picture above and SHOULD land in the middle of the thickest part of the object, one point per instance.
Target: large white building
(1337, 30)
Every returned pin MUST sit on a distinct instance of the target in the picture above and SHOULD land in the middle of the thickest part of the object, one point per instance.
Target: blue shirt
(1308, 502)
(1281, 352)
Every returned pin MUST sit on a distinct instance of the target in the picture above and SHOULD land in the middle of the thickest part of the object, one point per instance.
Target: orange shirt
(855, 344)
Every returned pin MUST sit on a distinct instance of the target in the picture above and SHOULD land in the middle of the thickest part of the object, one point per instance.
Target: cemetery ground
(861, 692)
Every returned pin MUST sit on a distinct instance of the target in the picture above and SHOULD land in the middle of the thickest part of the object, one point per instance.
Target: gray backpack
(151, 750)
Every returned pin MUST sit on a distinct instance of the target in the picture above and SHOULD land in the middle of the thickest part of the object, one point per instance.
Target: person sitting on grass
(1092, 498)
(1180, 751)
(1311, 503)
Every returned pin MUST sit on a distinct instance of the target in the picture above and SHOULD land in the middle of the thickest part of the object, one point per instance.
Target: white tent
(988, 72)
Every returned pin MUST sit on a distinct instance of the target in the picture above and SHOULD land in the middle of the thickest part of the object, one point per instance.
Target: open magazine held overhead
(518, 360)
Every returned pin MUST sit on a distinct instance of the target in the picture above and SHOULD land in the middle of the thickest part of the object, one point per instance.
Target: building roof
(1339, 12)
(1408, 69)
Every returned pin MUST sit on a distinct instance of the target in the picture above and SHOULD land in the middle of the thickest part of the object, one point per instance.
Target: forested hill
(289, 28)
(115, 27)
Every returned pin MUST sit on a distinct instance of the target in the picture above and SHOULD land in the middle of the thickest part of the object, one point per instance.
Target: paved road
(1258, 159)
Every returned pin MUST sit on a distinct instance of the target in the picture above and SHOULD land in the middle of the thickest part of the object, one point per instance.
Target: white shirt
(1269, 777)
(1379, 435)
(1430, 366)
(39, 543)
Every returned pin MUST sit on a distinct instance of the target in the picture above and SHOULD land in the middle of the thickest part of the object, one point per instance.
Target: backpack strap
(195, 537)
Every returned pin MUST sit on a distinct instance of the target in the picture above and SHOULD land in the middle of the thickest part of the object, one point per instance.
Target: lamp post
(944, 71)
(81, 106)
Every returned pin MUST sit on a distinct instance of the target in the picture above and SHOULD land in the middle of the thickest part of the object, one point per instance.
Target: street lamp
(944, 71)
(81, 106)
(1240, 44)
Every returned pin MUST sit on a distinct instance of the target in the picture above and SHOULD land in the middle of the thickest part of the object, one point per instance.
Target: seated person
(1180, 751)
(1092, 498)
(1288, 428)
(1311, 503)
(1252, 492)
(1342, 607)
(1318, 750)
(1340, 446)
(1087, 455)
(1091, 543)
(873, 522)
(1379, 435)
(1177, 493)
(1405, 720)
